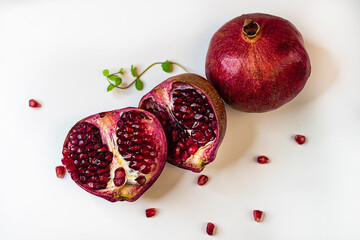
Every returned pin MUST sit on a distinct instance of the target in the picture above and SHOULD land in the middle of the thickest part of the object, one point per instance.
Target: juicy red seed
(150, 212)
(148, 161)
(119, 173)
(135, 165)
(300, 139)
(104, 178)
(66, 152)
(119, 181)
(185, 156)
(262, 159)
(210, 227)
(60, 171)
(34, 104)
(192, 150)
(202, 179)
(145, 169)
(140, 180)
(258, 215)
(102, 149)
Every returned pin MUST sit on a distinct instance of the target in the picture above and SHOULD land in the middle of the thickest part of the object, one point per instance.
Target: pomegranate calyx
(250, 28)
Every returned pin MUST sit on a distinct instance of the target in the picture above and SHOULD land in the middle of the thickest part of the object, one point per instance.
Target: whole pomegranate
(257, 62)
(116, 155)
(193, 117)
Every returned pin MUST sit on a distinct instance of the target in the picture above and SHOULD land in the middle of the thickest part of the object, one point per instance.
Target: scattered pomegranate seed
(33, 103)
(150, 212)
(300, 139)
(258, 215)
(210, 228)
(202, 179)
(60, 171)
(262, 159)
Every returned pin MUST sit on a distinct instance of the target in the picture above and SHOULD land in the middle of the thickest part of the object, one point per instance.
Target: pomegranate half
(193, 117)
(116, 155)
(257, 62)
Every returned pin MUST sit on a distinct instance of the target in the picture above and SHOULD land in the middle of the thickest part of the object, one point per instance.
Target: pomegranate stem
(165, 65)
(250, 28)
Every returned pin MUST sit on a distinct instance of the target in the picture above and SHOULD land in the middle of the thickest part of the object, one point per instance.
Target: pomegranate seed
(33, 103)
(192, 149)
(202, 179)
(140, 180)
(210, 227)
(150, 212)
(300, 139)
(262, 159)
(60, 171)
(258, 215)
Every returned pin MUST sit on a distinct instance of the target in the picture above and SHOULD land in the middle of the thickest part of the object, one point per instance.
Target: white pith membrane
(118, 161)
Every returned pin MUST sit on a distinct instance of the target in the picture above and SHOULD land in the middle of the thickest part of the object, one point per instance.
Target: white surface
(55, 51)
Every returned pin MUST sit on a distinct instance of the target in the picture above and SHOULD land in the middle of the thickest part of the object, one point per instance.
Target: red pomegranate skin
(261, 73)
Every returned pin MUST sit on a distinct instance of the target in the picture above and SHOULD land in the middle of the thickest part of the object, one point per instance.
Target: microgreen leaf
(118, 81)
(106, 72)
(120, 71)
(139, 84)
(166, 66)
(110, 87)
(113, 77)
(133, 71)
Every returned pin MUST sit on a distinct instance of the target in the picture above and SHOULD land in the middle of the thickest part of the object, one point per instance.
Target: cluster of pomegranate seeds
(33, 103)
(210, 228)
(136, 145)
(194, 123)
(86, 157)
(262, 159)
(60, 171)
(150, 212)
(258, 215)
(202, 179)
(300, 139)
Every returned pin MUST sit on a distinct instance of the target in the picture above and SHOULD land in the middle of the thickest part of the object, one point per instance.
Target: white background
(55, 51)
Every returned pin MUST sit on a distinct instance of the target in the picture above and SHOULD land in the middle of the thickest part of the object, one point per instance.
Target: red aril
(116, 155)
(34, 104)
(203, 179)
(210, 228)
(150, 212)
(60, 171)
(262, 159)
(193, 117)
(300, 139)
(258, 215)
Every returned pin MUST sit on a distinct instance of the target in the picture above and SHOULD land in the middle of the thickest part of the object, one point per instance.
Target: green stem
(142, 73)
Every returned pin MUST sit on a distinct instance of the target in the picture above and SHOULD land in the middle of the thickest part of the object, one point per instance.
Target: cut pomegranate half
(193, 117)
(116, 155)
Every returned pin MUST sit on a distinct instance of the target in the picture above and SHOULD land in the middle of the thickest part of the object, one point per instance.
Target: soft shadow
(324, 72)
(239, 137)
(169, 177)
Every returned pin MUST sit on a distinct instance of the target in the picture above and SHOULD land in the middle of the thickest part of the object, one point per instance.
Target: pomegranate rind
(107, 123)
(162, 95)
(262, 73)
